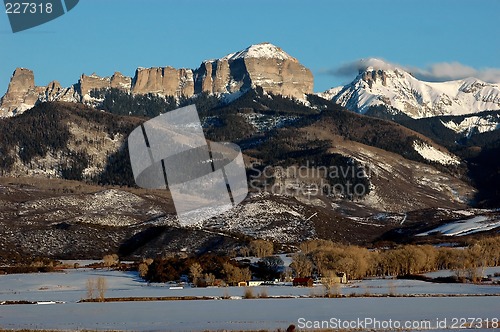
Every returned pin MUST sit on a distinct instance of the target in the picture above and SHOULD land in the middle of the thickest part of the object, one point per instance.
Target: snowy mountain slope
(399, 90)
(474, 124)
(399, 185)
(465, 227)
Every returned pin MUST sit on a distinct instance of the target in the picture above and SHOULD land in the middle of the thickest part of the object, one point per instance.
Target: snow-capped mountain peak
(262, 50)
(380, 83)
(371, 64)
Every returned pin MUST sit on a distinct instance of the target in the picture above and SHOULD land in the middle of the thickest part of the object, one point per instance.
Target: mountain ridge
(386, 85)
(264, 65)
(104, 212)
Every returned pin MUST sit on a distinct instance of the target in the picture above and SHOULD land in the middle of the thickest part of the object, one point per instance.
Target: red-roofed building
(307, 282)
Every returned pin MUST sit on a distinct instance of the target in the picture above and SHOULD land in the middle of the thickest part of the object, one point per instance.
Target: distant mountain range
(400, 92)
(269, 67)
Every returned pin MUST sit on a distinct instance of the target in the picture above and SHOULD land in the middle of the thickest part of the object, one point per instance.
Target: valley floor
(68, 288)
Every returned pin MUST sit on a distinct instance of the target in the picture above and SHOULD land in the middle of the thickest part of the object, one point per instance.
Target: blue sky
(458, 37)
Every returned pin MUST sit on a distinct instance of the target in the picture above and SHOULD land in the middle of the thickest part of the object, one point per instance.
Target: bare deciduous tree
(90, 286)
(234, 274)
(143, 269)
(246, 275)
(196, 272)
(244, 251)
(209, 279)
(102, 286)
(330, 281)
(261, 248)
(288, 275)
(110, 260)
(301, 265)
(312, 245)
(230, 272)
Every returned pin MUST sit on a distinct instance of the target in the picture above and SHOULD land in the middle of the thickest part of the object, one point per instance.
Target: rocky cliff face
(89, 83)
(213, 76)
(21, 94)
(263, 65)
(166, 81)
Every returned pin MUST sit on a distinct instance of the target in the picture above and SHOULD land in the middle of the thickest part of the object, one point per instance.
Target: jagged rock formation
(55, 92)
(21, 94)
(264, 65)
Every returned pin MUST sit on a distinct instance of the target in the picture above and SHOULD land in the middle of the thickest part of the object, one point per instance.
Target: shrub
(248, 294)
(263, 293)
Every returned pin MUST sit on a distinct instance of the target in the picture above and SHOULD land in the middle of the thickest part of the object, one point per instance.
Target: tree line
(323, 259)
(149, 105)
(320, 256)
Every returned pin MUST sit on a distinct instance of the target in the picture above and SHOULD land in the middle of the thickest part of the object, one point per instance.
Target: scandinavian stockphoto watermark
(26, 14)
(373, 323)
(307, 179)
(366, 323)
(205, 179)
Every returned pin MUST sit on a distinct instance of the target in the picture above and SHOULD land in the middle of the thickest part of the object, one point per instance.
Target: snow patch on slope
(473, 124)
(465, 227)
(432, 154)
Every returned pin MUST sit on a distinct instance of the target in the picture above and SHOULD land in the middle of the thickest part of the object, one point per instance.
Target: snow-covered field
(242, 314)
(69, 287)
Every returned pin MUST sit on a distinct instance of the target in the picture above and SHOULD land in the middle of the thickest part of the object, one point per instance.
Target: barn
(307, 282)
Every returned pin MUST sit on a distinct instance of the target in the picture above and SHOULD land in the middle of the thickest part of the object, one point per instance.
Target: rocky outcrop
(371, 77)
(89, 83)
(21, 94)
(166, 81)
(55, 92)
(119, 81)
(262, 65)
(214, 76)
